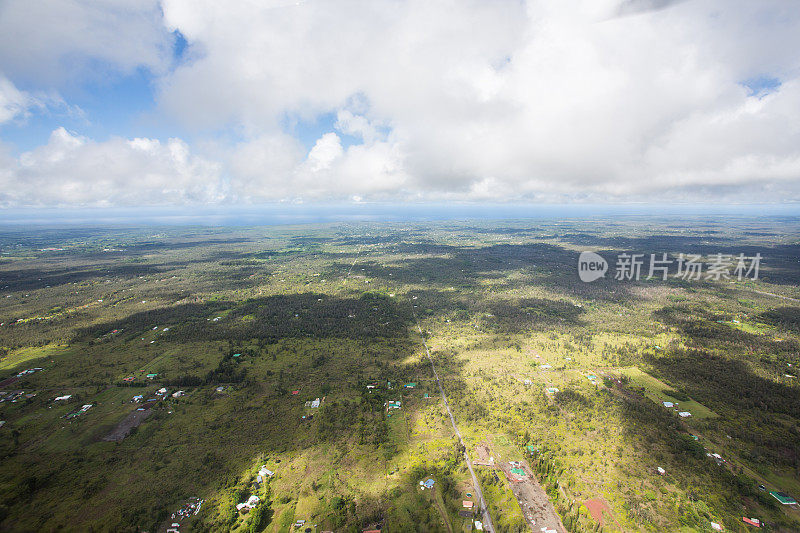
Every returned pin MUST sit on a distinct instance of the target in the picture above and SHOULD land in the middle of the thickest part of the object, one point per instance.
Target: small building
(427, 484)
(315, 403)
(410, 385)
(783, 498)
(684, 414)
(138, 398)
(755, 522)
(551, 390)
(161, 392)
(478, 525)
(295, 392)
(716, 527)
(661, 471)
(178, 394)
(151, 376)
(467, 504)
(65, 397)
(669, 405)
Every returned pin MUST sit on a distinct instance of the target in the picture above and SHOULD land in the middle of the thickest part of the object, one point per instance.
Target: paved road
(487, 519)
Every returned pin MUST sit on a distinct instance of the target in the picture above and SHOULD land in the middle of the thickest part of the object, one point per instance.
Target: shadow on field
(270, 318)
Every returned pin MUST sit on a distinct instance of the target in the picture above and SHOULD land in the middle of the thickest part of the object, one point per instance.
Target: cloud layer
(591, 100)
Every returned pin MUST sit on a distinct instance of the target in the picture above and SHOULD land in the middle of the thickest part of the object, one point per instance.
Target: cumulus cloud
(473, 100)
(73, 170)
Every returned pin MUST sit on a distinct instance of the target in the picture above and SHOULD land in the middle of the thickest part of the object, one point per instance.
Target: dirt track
(123, 429)
(536, 506)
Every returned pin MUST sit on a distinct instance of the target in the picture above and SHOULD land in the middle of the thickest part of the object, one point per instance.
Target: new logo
(591, 266)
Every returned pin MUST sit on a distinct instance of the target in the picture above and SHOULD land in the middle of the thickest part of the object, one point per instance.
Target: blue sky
(164, 102)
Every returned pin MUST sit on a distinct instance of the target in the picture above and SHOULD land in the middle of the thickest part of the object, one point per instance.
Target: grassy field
(660, 392)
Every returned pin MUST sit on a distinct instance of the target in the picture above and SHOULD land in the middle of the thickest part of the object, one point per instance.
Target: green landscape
(302, 378)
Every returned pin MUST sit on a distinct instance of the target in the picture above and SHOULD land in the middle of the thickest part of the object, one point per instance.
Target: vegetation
(255, 324)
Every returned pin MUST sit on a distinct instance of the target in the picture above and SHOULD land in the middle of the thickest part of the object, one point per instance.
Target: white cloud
(506, 100)
(52, 41)
(73, 170)
(13, 102)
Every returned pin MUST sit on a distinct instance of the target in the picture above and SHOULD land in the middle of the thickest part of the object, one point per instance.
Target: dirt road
(536, 507)
(487, 519)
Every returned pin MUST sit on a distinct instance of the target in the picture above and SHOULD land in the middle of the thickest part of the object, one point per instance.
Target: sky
(142, 103)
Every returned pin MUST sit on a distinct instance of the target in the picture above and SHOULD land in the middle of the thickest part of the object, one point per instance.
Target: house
(661, 471)
(716, 527)
(427, 484)
(546, 366)
(467, 504)
(220, 389)
(528, 382)
(752, 521)
(551, 390)
(315, 403)
(264, 472)
(684, 414)
(65, 397)
(86, 407)
(151, 376)
(138, 398)
(178, 394)
(393, 404)
(411, 385)
(295, 392)
(783, 498)
(161, 392)
(478, 525)
(669, 405)
(128, 379)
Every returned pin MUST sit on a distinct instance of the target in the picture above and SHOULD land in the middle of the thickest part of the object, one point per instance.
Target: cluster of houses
(674, 406)
(374, 385)
(187, 510)
(28, 371)
(15, 395)
(251, 502)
